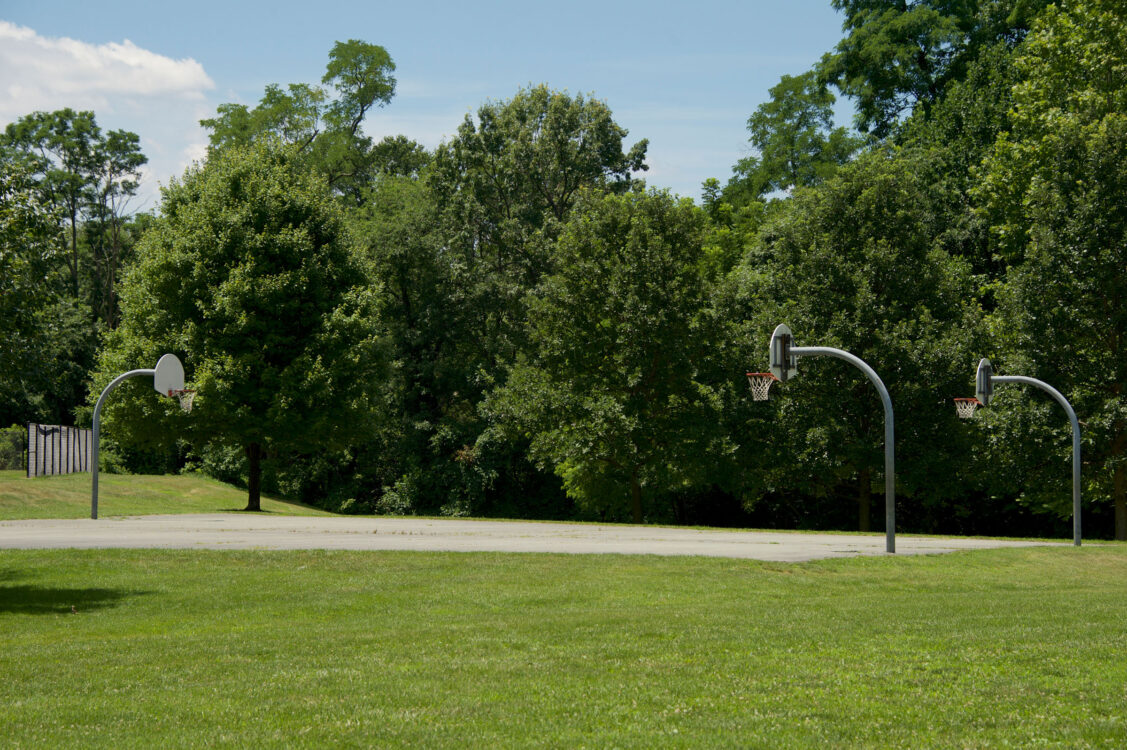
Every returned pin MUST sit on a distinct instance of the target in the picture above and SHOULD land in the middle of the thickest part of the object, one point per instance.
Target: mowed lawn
(68, 496)
(149, 648)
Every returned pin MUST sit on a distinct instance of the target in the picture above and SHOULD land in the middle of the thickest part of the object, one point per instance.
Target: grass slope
(68, 496)
(314, 649)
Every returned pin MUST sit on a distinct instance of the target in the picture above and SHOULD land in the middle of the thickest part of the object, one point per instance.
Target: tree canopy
(250, 276)
(323, 123)
(1053, 191)
(795, 141)
(610, 395)
(514, 324)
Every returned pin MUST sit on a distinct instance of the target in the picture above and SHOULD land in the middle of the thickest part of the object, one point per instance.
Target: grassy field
(68, 496)
(147, 648)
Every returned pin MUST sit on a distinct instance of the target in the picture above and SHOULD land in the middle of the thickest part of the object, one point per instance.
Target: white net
(186, 397)
(760, 384)
(965, 407)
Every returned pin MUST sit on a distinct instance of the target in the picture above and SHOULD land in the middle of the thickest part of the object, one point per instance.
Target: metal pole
(97, 429)
(1075, 441)
(889, 433)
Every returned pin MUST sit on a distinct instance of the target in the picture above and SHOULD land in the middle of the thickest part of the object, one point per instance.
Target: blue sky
(685, 77)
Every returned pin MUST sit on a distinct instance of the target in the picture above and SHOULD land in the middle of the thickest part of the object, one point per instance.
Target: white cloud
(46, 69)
(128, 87)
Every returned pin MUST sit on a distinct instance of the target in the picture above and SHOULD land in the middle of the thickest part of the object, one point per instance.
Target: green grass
(68, 496)
(313, 649)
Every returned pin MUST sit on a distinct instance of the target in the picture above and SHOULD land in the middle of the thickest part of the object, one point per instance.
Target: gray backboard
(983, 384)
(784, 365)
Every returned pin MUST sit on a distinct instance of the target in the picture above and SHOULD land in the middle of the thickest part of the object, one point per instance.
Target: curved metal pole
(1060, 399)
(889, 433)
(97, 429)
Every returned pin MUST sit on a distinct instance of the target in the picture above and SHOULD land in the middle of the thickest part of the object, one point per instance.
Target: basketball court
(267, 532)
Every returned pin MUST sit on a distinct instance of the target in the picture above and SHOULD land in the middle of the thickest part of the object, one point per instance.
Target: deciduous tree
(323, 122)
(250, 276)
(610, 396)
(900, 54)
(1055, 193)
(795, 141)
(852, 265)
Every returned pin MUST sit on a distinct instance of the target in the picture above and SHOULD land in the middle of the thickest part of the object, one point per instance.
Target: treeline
(66, 231)
(514, 324)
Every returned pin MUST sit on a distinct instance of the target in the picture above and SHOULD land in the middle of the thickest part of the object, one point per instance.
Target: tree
(851, 264)
(900, 54)
(949, 143)
(64, 143)
(796, 143)
(610, 397)
(250, 275)
(323, 123)
(85, 178)
(458, 249)
(399, 156)
(90, 176)
(397, 227)
(119, 161)
(1055, 194)
(39, 324)
(503, 186)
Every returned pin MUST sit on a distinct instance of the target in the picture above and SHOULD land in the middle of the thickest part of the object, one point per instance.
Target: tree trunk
(865, 500)
(254, 476)
(635, 498)
(74, 249)
(111, 286)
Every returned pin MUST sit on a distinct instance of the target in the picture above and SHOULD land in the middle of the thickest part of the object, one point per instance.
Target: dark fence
(55, 449)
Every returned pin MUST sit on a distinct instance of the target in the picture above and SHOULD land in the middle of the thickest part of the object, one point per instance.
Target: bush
(13, 447)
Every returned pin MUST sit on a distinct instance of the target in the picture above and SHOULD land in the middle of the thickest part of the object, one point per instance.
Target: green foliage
(851, 265)
(1053, 191)
(13, 447)
(504, 181)
(611, 396)
(66, 190)
(456, 243)
(949, 144)
(324, 123)
(795, 141)
(399, 156)
(88, 175)
(899, 55)
(250, 276)
(40, 325)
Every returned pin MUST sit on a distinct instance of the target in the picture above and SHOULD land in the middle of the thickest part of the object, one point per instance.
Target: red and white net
(965, 407)
(760, 383)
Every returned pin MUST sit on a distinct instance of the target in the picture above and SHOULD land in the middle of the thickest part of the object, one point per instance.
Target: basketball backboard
(784, 365)
(983, 383)
(169, 375)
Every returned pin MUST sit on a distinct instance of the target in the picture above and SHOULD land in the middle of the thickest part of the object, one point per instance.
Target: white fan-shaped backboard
(169, 375)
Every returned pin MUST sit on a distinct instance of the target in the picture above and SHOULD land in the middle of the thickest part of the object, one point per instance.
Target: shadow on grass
(40, 600)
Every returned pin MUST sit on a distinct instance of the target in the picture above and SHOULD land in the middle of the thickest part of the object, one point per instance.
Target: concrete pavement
(261, 531)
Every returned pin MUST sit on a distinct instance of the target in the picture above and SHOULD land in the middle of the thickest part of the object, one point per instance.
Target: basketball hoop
(185, 396)
(760, 383)
(965, 407)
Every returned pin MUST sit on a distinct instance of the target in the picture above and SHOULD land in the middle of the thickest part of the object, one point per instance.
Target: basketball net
(185, 396)
(760, 383)
(965, 407)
